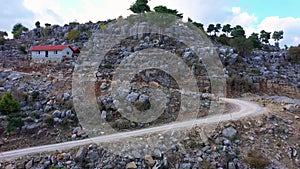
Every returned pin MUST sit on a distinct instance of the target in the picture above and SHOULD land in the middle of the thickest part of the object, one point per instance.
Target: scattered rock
(149, 160)
(131, 165)
(229, 132)
(81, 153)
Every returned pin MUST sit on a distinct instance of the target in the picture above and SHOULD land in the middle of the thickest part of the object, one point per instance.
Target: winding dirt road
(245, 108)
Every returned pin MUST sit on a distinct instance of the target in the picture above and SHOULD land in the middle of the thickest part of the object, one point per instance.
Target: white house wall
(52, 54)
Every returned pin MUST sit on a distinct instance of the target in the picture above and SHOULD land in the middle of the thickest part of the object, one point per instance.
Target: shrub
(223, 39)
(9, 104)
(2, 40)
(13, 123)
(74, 35)
(49, 120)
(256, 160)
(242, 45)
(73, 23)
(294, 54)
(47, 31)
(22, 49)
(142, 106)
(35, 95)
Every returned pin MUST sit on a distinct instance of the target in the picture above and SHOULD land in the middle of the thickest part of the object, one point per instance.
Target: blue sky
(253, 15)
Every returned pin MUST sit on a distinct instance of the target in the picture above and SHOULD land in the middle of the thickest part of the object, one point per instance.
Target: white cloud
(246, 20)
(203, 11)
(236, 10)
(289, 25)
(56, 12)
(206, 12)
(45, 11)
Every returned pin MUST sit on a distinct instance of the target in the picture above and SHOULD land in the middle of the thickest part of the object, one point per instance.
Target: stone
(186, 165)
(132, 97)
(229, 132)
(57, 120)
(69, 113)
(14, 76)
(81, 153)
(149, 160)
(76, 129)
(29, 164)
(57, 113)
(136, 154)
(226, 142)
(104, 86)
(231, 165)
(66, 96)
(287, 121)
(32, 128)
(103, 115)
(157, 153)
(289, 107)
(143, 98)
(60, 156)
(93, 156)
(131, 165)
(10, 166)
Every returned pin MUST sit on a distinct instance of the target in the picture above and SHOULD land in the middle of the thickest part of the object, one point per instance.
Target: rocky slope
(48, 116)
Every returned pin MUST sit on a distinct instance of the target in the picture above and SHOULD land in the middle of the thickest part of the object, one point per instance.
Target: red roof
(76, 50)
(48, 48)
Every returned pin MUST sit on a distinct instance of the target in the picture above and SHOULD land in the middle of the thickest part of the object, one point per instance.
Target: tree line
(226, 34)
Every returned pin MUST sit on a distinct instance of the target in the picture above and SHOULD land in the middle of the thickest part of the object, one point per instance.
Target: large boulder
(229, 132)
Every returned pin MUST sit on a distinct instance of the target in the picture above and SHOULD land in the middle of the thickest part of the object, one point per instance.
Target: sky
(252, 15)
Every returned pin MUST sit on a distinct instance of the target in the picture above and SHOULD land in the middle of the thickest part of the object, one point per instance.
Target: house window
(55, 52)
(68, 53)
(39, 52)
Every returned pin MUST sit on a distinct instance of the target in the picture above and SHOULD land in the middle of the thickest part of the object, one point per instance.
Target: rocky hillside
(47, 114)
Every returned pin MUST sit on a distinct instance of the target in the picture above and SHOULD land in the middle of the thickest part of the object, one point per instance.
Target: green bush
(22, 49)
(2, 40)
(294, 54)
(13, 123)
(74, 35)
(256, 160)
(47, 31)
(49, 120)
(35, 95)
(9, 104)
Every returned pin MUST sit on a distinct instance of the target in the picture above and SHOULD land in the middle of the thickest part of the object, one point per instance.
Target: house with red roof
(51, 52)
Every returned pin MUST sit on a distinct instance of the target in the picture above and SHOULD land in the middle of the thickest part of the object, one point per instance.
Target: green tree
(9, 104)
(13, 123)
(277, 35)
(37, 24)
(73, 35)
(238, 31)
(294, 54)
(47, 31)
(3, 34)
(265, 36)
(210, 28)
(18, 29)
(223, 39)
(164, 9)
(217, 28)
(198, 25)
(226, 29)
(140, 6)
(74, 23)
(242, 45)
(254, 39)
